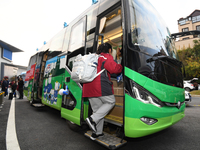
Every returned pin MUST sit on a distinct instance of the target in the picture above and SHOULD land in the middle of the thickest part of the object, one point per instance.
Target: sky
(26, 24)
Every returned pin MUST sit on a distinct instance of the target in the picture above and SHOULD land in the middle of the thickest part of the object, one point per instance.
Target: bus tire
(32, 102)
(73, 126)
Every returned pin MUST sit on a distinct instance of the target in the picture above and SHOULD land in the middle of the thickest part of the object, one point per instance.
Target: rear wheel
(32, 101)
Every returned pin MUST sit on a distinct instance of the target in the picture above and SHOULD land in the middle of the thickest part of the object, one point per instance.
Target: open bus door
(109, 29)
(72, 104)
(39, 75)
(37, 84)
(29, 82)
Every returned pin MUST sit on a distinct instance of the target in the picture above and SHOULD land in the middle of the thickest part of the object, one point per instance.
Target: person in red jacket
(100, 90)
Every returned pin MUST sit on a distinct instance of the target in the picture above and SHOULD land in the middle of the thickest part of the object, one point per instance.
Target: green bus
(150, 97)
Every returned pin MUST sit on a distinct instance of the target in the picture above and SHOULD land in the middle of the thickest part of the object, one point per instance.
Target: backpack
(85, 68)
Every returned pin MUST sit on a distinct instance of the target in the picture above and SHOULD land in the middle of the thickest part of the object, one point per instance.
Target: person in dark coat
(100, 90)
(14, 87)
(2, 86)
(5, 86)
(21, 88)
(196, 85)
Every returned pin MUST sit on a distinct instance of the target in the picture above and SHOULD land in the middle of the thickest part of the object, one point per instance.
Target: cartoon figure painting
(57, 87)
(51, 97)
(49, 87)
(50, 93)
(54, 67)
(45, 90)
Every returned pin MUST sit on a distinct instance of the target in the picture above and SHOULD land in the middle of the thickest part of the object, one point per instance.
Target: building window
(185, 29)
(186, 38)
(198, 28)
(7, 54)
(195, 36)
(195, 19)
(182, 22)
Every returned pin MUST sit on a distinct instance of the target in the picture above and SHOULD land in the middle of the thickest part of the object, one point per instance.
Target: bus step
(112, 120)
(38, 105)
(108, 140)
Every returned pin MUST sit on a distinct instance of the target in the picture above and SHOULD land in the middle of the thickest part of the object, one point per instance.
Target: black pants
(14, 92)
(21, 93)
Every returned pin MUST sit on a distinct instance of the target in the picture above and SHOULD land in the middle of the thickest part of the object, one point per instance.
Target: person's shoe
(91, 124)
(94, 136)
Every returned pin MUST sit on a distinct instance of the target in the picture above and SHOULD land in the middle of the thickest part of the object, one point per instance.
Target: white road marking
(11, 137)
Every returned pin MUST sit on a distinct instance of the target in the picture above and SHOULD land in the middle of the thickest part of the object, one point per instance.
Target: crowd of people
(15, 87)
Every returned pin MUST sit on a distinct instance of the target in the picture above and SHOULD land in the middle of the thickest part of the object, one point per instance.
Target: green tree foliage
(190, 58)
(193, 68)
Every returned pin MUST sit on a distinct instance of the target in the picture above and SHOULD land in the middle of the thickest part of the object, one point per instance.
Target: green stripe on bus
(163, 92)
(136, 109)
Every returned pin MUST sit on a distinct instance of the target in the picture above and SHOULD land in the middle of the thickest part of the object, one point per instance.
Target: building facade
(7, 68)
(190, 23)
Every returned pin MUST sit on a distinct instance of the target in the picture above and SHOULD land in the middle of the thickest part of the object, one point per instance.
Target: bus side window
(70, 62)
(77, 41)
(66, 39)
(57, 41)
(89, 46)
(32, 61)
(77, 37)
(71, 56)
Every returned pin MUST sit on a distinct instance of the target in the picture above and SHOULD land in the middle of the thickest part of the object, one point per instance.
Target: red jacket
(102, 85)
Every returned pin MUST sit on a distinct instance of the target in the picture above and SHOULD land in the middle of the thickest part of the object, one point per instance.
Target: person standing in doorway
(21, 87)
(100, 90)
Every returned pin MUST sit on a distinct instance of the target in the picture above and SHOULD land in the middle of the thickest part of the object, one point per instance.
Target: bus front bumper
(135, 128)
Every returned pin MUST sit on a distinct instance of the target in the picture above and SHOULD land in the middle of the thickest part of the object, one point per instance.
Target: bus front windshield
(151, 51)
(148, 30)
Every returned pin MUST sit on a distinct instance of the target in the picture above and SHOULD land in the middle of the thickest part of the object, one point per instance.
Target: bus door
(30, 77)
(110, 31)
(41, 74)
(109, 26)
(72, 104)
(37, 75)
(52, 79)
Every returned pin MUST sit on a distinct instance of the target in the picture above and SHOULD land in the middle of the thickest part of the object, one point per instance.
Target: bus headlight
(144, 96)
